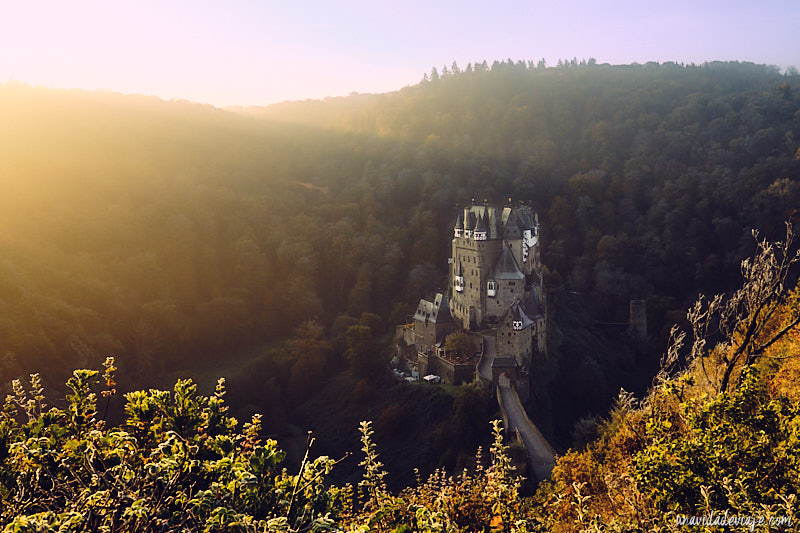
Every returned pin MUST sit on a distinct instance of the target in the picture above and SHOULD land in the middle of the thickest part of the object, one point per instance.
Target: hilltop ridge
(173, 235)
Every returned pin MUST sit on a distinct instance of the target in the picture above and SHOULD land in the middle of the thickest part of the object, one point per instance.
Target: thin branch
(777, 337)
(320, 474)
(309, 443)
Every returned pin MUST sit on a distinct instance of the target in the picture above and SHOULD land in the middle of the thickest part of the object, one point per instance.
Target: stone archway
(503, 380)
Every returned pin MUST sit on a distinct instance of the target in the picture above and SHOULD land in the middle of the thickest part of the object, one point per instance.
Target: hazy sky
(258, 52)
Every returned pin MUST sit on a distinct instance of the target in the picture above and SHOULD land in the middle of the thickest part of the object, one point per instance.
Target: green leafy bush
(178, 462)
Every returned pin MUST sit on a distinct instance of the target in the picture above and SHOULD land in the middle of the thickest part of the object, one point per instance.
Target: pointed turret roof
(526, 217)
(507, 223)
(469, 223)
(480, 225)
(512, 227)
(441, 309)
(518, 314)
(494, 224)
(506, 267)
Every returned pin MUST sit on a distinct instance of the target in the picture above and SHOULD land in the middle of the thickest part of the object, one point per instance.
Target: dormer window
(480, 235)
(467, 233)
(457, 232)
(491, 289)
(516, 325)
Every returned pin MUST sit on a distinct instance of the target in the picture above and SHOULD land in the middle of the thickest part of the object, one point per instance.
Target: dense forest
(697, 450)
(187, 240)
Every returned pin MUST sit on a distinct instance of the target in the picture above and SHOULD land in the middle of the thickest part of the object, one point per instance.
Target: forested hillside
(714, 442)
(166, 231)
(648, 177)
(177, 236)
(693, 451)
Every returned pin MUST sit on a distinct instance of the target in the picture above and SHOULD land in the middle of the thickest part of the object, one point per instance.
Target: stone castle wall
(477, 258)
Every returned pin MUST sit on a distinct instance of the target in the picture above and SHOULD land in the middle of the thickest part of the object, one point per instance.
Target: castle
(495, 294)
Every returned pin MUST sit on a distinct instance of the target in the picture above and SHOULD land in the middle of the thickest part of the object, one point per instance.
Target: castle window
(491, 289)
(512, 283)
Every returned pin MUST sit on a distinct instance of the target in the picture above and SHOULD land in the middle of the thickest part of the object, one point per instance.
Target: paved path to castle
(485, 367)
(541, 456)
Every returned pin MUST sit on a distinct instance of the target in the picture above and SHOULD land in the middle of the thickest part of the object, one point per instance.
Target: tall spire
(480, 229)
(459, 229)
(512, 230)
(469, 224)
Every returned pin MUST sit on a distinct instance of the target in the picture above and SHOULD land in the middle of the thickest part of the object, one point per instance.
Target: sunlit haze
(259, 52)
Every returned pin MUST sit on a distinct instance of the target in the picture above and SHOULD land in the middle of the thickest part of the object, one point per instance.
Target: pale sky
(260, 52)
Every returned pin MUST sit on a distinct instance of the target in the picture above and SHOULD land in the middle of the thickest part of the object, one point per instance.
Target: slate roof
(480, 225)
(526, 217)
(471, 219)
(506, 267)
(503, 362)
(512, 230)
(481, 218)
(437, 311)
(506, 223)
(518, 314)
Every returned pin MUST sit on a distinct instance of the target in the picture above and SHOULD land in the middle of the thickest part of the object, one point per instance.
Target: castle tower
(458, 231)
(638, 320)
(495, 258)
(515, 336)
(495, 287)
